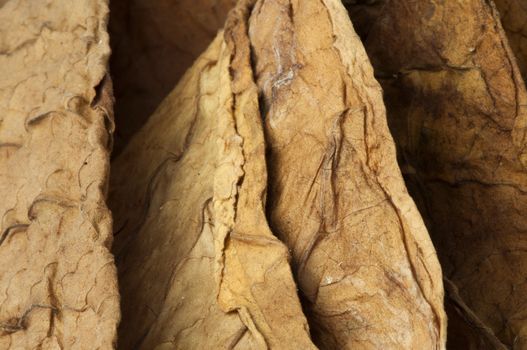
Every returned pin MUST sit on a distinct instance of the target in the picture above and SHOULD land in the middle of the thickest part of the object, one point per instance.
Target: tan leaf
(199, 267)
(58, 287)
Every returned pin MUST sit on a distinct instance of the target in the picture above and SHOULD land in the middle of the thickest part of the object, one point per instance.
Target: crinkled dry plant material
(154, 42)
(465, 329)
(513, 14)
(58, 286)
(457, 109)
(362, 255)
(198, 265)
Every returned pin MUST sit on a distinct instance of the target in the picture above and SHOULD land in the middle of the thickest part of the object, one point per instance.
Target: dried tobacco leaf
(363, 258)
(514, 20)
(153, 43)
(198, 265)
(457, 109)
(58, 282)
(465, 329)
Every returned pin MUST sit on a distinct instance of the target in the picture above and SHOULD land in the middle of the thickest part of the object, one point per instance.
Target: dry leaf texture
(153, 43)
(514, 20)
(198, 265)
(465, 329)
(457, 110)
(363, 258)
(58, 287)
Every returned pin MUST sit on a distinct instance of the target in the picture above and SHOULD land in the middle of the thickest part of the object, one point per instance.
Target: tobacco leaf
(58, 286)
(362, 256)
(513, 14)
(465, 329)
(457, 109)
(198, 265)
(153, 44)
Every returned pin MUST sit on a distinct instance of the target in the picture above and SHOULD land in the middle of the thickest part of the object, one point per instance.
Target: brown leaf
(457, 109)
(58, 286)
(362, 256)
(198, 265)
(513, 14)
